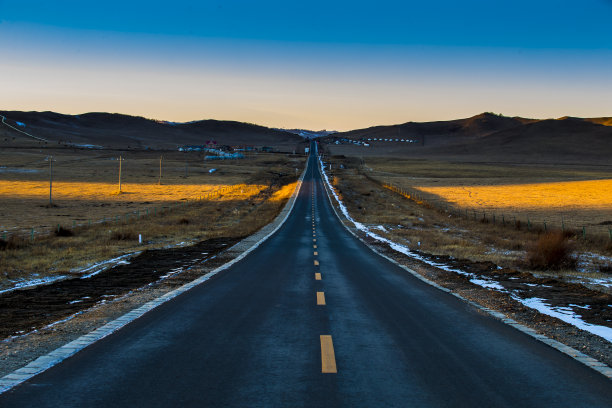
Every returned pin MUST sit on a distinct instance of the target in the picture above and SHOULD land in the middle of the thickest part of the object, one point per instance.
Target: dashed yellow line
(315, 253)
(320, 298)
(316, 263)
(314, 246)
(328, 358)
(314, 240)
(318, 276)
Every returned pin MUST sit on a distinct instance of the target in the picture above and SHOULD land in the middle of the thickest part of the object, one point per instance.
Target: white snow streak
(563, 313)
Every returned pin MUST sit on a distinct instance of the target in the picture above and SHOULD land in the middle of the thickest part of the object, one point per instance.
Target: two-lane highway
(313, 318)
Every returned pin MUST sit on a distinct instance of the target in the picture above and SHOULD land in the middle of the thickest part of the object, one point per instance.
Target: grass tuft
(124, 235)
(63, 232)
(14, 242)
(552, 250)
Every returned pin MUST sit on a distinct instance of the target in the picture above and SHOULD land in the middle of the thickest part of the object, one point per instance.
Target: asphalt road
(256, 336)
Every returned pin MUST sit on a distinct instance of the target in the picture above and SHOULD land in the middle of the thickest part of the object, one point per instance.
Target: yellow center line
(316, 253)
(318, 276)
(314, 240)
(328, 358)
(320, 298)
(314, 246)
(316, 262)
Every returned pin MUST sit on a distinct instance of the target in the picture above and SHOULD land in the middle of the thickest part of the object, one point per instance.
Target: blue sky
(335, 65)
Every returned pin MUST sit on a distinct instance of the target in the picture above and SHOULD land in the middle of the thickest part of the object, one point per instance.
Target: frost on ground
(569, 314)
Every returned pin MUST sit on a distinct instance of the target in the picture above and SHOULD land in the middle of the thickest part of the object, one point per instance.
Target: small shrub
(605, 268)
(551, 251)
(183, 221)
(125, 235)
(63, 232)
(12, 243)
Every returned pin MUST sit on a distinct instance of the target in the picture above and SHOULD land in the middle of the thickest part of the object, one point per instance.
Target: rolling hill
(123, 131)
(491, 137)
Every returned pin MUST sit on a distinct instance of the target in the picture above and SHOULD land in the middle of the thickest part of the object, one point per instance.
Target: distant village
(366, 142)
(223, 152)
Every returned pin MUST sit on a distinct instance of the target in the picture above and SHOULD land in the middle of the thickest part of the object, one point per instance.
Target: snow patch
(563, 313)
(4, 169)
(567, 315)
(88, 146)
(34, 282)
(98, 267)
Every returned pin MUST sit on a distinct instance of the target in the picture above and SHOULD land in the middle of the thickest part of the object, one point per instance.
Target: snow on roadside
(33, 282)
(98, 267)
(480, 281)
(90, 271)
(565, 314)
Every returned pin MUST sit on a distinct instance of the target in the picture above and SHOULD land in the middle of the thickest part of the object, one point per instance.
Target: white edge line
(589, 361)
(58, 355)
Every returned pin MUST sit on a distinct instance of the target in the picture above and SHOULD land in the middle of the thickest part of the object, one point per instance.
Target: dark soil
(31, 309)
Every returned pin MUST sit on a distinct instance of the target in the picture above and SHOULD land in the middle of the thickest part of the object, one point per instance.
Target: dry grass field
(235, 200)
(570, 197)
(427, 225)
(85, 184)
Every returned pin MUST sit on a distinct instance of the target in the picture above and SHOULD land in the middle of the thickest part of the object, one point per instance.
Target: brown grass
(253, 192)
(85, 184)
(438, 232)
(551, 251)
(540, 197)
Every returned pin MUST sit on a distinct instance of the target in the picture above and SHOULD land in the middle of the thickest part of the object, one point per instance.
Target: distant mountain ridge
(496, 137)
(121, 131)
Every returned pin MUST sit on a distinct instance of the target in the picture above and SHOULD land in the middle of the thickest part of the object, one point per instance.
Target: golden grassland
(591, 194)
(425, 228)
(560, 196)
(284, 192)
(83, 191)
(85, 184)
(236, 200)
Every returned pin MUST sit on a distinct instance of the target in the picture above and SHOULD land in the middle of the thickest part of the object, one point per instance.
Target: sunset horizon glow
(233, 61)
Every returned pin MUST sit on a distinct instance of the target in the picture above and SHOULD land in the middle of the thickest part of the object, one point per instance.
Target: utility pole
(50, 158)
(160, 168)
(120, 160)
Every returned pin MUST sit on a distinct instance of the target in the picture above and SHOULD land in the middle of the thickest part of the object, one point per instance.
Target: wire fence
(509, 219)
